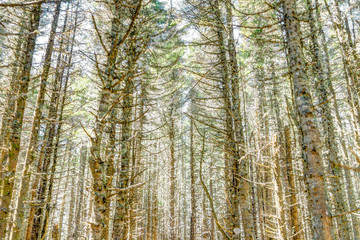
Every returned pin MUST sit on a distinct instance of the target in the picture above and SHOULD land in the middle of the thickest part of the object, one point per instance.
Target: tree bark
(192, 186)
(101, 169)
(12, 153)
(34, 135)
(327, 121)
(81, 184)
(172, 175)
(314, 170)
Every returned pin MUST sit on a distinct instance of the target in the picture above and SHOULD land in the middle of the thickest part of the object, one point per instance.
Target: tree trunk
(231, 154)
(294, 215)
(11, 94)
(172, 176)
(192, 186)
(122, 209)
(34, 135)
(100, 167)
(81, 184)
(68, 155)
(71, 208)
(37, 210)
(15, 130)
(329, 129)
(314, 170)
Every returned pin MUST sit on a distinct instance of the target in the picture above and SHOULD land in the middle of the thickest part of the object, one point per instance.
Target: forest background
(193, 119)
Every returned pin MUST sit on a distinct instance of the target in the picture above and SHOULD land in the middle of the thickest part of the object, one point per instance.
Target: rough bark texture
(314, 170)
(34, 135)
(11, 155)
(101, 169)
(332, 158)
(240, 171)
(231, 153)
(11, 94)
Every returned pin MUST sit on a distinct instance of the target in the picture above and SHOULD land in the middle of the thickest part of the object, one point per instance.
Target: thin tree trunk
(154, 209)
(65, 189)
(81, 184)
(71, 208)
(192, 186)
(279, 199)
(294, 211)
(172, 176)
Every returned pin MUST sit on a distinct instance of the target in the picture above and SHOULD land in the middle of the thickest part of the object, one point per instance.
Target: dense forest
(180, 119)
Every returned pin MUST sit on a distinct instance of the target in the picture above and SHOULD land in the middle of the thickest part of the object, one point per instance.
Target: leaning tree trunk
(41, 182)
(59, 119)
(15, 136)
(35, 129)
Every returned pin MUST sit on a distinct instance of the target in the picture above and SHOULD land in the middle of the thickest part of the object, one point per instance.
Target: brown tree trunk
(34, 135)
(100, 167)
(59, 118)
(81, 184)
(293, 202)
(192, 186)
(172, 175)
(154, 208)
(68, 156)
(327, 68)
(11, 94)
(70, 222)
(314, 170)
(280, 159)
(231, 154)
(329, 129)
(240, 171)
(11, 156)
(41, 184)
(121, 218)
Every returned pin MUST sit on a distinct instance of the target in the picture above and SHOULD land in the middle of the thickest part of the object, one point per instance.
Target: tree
(313, 166)
(11, 147)
(191, 119)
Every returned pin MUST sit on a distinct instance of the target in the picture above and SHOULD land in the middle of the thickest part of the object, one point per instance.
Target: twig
(345, 213)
